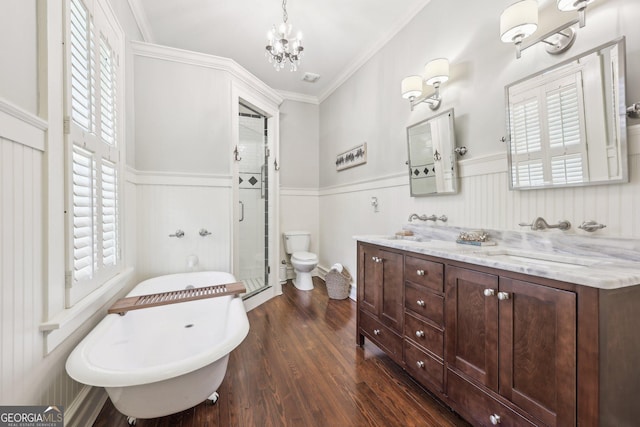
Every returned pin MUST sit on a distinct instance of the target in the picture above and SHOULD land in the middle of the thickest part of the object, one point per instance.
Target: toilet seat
(305, 257)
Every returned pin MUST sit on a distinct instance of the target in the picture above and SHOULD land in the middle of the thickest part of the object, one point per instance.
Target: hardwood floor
(300, 366)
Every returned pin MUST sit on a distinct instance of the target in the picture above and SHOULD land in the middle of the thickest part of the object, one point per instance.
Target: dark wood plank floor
(300, 366)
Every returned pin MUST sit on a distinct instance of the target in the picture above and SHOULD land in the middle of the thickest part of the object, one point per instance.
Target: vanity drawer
(424, 303)
(426, 273)
(478, 406)
(381, 336)
(425, 368)
(424, 334)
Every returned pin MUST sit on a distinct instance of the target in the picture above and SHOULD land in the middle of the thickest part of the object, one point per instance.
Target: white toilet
(296, 244)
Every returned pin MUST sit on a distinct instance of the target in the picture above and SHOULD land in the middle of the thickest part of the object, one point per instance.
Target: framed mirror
(566, 125)
(432, 159)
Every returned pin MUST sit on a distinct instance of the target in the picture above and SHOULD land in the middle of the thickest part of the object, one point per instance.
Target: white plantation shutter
(567, 169)
(94, 106)
(526, 141)
(107, 93)
(84, 218)
(109, 214)
(82, 66)
(546, 124)
(566, 147)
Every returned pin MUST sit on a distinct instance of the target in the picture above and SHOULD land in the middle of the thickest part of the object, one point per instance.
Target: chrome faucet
(433, 218)
(422, 217)
(540, 224)
(416, 216)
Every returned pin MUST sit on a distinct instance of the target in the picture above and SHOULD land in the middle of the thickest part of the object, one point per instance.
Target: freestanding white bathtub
(162, 360)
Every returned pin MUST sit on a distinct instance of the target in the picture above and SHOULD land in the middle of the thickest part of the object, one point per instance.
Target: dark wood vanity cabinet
(516, 341)
(380, 306)
(504, 348)
(424, 321)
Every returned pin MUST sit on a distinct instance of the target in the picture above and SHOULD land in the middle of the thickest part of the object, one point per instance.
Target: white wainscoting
(21, 265)
(166, 202)
(484, 201)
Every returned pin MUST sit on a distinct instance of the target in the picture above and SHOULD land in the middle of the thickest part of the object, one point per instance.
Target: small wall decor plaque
(353, 157)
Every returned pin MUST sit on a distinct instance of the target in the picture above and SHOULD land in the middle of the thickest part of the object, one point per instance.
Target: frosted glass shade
(519, 20)
(411, 87)
(436, 71)
(567, 5)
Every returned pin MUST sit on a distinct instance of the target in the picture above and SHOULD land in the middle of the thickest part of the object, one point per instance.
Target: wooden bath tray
(164, 298)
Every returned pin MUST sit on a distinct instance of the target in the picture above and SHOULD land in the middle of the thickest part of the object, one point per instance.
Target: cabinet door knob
(376, 332)
(420, 303)
(503, 296)
(489, 292)
(376, 259)
(495, 419)
(420, 272)
(419, 334)
(420, 364)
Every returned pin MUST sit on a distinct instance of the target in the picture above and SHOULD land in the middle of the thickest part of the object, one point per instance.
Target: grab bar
(241, 211)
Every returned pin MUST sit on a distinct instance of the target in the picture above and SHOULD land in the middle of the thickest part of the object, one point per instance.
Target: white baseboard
(86, 407)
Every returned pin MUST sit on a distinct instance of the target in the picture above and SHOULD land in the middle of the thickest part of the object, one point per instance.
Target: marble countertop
(588, 261)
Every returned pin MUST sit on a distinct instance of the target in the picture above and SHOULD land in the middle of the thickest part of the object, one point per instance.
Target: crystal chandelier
(281, 48)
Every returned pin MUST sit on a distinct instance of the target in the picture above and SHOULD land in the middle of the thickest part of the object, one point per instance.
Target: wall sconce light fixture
(579, 5)
(414, 88)
(520, 20)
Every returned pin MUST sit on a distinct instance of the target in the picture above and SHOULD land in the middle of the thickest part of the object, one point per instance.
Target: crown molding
(299, 97)
(240, 73)
(351, 69)
(140, 16)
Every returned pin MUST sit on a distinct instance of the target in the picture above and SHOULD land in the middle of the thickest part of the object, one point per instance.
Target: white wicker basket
(338, 283)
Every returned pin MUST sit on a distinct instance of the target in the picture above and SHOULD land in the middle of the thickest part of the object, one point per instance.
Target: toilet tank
(296, 241)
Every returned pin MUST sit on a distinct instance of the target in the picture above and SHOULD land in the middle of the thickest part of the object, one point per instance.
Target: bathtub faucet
(179, 234)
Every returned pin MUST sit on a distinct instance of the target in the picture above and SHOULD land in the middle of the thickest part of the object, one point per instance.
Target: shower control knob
(419, 334)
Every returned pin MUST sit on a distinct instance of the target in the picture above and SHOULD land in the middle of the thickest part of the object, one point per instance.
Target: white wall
(299, 170)
(183, 117)
(368, 107)
(19, 70)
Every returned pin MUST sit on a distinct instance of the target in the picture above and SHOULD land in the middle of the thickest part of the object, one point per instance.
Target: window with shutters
(94, 140)
(547, 131)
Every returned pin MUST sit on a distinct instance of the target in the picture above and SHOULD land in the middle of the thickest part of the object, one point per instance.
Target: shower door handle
(241, 211)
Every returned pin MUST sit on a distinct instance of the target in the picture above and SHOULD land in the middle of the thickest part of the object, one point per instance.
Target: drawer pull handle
(420, 364)
(495, 419)
(421, 303)
(489, 292)
(420, 272)
(502, 296)
(376, 332)
(419, 334)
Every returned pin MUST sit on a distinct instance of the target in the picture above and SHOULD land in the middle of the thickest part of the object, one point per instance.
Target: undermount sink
(537, 258)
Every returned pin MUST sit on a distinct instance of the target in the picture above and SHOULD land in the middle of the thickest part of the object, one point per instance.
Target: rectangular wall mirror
(566, 125)
(432, 160)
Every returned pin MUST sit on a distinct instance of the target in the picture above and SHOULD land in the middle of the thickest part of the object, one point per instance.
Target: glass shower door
(253, 185)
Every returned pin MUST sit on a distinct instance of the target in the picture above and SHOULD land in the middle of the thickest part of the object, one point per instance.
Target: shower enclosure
(253, 198)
